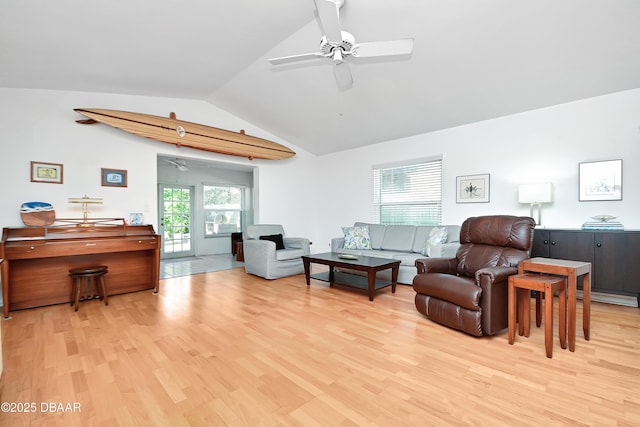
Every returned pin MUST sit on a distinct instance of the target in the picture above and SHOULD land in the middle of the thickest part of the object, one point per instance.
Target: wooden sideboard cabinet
(613, 256)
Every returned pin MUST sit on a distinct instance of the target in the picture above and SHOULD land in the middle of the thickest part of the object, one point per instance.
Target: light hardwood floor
(226, 348)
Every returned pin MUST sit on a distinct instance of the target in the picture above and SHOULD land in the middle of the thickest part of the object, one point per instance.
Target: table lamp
(535, 195)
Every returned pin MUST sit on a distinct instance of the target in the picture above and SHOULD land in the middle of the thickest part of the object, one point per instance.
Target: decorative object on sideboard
(603, 222)
(535, 195)
(46, 172)
(600, 180)
(37, 213)
(136, 218)
(472, 188)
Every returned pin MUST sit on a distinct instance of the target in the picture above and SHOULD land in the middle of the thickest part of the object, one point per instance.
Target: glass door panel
(176, 206)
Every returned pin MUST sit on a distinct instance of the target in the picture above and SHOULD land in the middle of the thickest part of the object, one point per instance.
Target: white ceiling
(473, 60)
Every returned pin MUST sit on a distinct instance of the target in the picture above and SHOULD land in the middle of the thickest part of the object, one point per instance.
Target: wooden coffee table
(370, 265)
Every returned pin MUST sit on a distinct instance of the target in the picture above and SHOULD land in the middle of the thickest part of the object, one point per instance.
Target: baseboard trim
(611, 298)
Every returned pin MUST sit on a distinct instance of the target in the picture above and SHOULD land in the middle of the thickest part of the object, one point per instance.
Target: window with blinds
(408, 193)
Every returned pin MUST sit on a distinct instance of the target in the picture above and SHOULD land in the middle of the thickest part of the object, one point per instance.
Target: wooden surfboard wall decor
(187, 134)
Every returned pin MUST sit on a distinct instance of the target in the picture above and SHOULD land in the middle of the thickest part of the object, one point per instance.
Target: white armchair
(268, 254)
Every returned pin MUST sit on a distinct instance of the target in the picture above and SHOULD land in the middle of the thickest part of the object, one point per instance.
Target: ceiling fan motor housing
(347, 43)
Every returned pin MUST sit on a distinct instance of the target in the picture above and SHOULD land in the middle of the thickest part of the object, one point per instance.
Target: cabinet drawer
(68, 248)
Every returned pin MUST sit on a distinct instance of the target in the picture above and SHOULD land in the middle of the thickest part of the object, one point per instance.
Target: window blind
(409, 193)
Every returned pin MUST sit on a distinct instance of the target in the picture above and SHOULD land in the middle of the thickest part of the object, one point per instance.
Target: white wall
(314, 196)
(40, 126)
(541, 145)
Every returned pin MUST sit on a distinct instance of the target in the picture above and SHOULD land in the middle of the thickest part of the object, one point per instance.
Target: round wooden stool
(85, 275)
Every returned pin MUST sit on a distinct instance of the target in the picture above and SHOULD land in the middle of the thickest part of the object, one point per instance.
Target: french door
(176, 207)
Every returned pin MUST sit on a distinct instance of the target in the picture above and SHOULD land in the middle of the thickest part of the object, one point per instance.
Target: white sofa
(402, 242)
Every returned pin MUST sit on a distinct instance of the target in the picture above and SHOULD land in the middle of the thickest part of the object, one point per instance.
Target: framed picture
(46, 172)
(472, 188)
(601, 180)
(114, 177)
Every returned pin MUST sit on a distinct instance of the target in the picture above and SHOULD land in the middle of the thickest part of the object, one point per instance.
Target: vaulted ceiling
(472, 60)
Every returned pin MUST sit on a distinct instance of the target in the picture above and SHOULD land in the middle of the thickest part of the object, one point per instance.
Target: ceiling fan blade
(330, 19)
(343, 76)
(384, 48)
(181, 165)
(295, 58)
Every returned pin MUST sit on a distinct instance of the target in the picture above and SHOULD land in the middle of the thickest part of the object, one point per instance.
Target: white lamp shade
(541, 192)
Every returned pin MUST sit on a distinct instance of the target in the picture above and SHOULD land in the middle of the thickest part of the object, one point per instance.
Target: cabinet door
(617, 269)
(571, 245)
(540, 244)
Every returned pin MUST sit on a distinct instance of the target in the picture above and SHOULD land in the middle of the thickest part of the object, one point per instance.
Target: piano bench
(84, 275)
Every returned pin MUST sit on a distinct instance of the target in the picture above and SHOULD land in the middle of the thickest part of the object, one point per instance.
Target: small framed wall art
(46, 172)
(114, 177)
(601, 180)
(472, 188)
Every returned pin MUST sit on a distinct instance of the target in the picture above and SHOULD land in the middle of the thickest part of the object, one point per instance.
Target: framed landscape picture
(472, 188)
(46, 172)
(114, 177)
(601, 180)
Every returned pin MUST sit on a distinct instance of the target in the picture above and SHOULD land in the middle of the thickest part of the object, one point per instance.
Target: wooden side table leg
(562, 315)
(526, 311)
(571, 308)
(548, 319)
(512, 311)
(586, 305)
(520, 302)
(538, 309)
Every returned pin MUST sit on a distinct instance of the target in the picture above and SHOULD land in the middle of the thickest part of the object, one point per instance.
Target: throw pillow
(275, 238)
(437, 236)
(356, 238)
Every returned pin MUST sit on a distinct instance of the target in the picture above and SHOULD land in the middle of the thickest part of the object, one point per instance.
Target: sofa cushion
(420, 238)
(275, 238)
(356, 238)
(376, 233)
(398, 238)
(437, 237)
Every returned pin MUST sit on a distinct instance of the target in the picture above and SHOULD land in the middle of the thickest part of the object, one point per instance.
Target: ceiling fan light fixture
(340, 45)
(337, 55)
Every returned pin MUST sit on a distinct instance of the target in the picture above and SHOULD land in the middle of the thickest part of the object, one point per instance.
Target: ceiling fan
(181, 165)
(339, 45)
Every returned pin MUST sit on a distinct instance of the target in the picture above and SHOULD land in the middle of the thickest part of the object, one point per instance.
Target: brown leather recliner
(470, 292)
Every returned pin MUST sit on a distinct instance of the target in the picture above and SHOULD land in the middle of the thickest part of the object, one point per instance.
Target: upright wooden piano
(35, 271)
